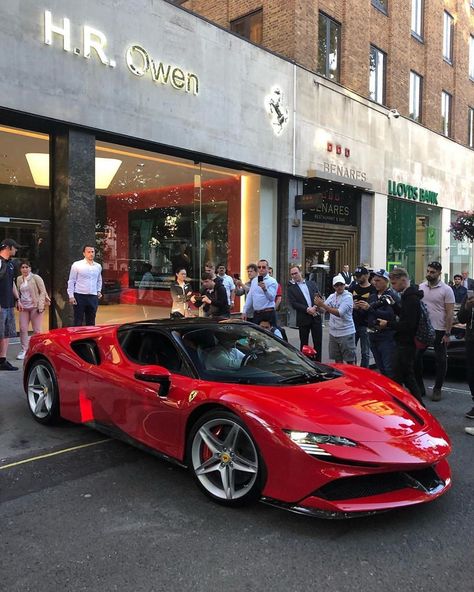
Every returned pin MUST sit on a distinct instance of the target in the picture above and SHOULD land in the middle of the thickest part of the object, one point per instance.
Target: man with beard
(439, 300)
(405, 325)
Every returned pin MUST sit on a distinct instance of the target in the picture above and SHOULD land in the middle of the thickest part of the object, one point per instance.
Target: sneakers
(7, 366)
(21, 355)
(469, 431)
(470, 414)
(436, 395)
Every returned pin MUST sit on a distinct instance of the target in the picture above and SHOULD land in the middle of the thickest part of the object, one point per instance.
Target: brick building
(410, 55)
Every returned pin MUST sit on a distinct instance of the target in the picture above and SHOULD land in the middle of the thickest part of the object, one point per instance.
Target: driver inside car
(224, 356)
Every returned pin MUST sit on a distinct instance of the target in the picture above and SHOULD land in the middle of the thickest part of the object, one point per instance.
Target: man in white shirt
(341, 324)
(228, 283)
(84, 287)
(261, 296)
(439, 300)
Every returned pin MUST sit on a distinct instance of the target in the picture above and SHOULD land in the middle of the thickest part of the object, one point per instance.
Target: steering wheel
(251, 355)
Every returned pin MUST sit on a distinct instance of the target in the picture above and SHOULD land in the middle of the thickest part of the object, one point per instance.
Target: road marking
(72, 449)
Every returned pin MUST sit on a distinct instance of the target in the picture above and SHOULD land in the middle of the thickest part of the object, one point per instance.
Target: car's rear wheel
(42, 392)
(224, 459)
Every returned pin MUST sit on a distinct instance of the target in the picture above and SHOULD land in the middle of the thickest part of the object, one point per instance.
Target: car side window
(153, 348)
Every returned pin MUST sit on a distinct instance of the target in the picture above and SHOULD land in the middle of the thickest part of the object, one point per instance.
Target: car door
(153, 418)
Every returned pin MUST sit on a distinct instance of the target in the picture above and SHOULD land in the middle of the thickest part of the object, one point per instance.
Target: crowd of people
(381, 310)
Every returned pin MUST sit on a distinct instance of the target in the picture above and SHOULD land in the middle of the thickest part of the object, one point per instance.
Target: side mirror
(309, 352)
(156, 374)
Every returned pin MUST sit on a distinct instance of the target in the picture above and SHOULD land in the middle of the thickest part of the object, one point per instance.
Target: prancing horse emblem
(276, 110)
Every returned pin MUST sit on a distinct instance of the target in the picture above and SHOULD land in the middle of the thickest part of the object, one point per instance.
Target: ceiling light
(105, 169)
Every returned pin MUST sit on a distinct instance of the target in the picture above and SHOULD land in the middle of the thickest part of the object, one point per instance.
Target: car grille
(367, 485)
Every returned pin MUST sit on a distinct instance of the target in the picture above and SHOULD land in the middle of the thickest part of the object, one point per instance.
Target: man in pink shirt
(439, 300)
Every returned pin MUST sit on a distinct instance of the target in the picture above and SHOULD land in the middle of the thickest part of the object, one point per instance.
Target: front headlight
(308, 442)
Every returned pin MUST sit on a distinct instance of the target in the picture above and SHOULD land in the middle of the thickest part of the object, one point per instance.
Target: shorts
(342, 349)
(7, 323)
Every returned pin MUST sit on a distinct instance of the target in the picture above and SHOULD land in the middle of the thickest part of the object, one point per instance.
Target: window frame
(470, 127)
(446, 130)
(327, 70)
(415, 76)
(417, 14)
(471, 57)
(381, 5)
(448, 37)
(379, 53)
(246, 19)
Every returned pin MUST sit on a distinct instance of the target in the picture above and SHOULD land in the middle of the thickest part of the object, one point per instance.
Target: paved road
(108, 517)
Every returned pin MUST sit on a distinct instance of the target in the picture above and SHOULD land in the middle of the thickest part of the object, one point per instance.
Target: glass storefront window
(413, 236)
(160, 213)
(460, 258)
(25, 199)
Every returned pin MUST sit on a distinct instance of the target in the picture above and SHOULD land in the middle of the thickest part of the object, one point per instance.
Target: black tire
(42, 394)
(224, 459)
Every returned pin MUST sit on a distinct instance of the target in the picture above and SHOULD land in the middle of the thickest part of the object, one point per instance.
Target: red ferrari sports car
(251, 416)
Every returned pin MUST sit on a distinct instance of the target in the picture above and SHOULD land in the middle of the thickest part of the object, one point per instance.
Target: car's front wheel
(224, 459)
(42, 394)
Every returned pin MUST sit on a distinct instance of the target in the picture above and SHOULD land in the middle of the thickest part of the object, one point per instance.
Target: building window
(470, 128)
(415, 96)
(471, 57)
(446, 124)
(377, 67)
(329, 39)
(417, 18)
(448, 32)
(381, 5)
(249, 26)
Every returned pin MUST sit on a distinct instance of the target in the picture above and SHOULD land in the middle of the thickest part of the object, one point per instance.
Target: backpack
(425, 333)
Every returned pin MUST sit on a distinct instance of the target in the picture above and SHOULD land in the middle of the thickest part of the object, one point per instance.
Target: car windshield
(246, 354)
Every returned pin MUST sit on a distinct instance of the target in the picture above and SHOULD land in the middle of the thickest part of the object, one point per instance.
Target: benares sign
(137, 59)
(411, 192)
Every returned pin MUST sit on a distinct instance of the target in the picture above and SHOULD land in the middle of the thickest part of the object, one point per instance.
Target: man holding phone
(262, 294)
(301, 295)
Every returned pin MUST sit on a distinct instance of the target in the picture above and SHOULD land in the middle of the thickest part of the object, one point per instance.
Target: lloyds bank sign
(91, 44)
(411, 192)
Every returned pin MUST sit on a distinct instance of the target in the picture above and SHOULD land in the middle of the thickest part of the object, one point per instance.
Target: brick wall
(290, 28)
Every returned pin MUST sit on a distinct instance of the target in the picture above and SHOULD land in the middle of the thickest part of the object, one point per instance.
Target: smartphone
(260, 278)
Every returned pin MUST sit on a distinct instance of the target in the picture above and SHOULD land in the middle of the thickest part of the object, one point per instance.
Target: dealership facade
(168, 141)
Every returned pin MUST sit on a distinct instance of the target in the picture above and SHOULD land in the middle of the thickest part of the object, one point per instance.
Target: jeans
(362, 335)
(383, 351)
(404, 369)
(441, 360)
(36, 318)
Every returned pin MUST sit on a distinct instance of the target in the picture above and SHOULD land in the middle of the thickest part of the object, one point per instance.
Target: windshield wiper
(303, 377)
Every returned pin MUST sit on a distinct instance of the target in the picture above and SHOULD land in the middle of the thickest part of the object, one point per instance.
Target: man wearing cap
(361, 291)
(84, 287)
(382, 341)
(8, 296)
(439, 300)
(301, 295)
(341, 325)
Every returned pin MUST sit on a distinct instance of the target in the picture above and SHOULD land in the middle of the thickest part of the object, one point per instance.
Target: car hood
(360, 405)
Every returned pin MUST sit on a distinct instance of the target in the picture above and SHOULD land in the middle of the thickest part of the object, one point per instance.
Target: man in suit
(347, 275)
(301, 295)
(467, 282)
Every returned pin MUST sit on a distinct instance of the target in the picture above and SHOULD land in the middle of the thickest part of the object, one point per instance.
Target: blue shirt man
(262, 294)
